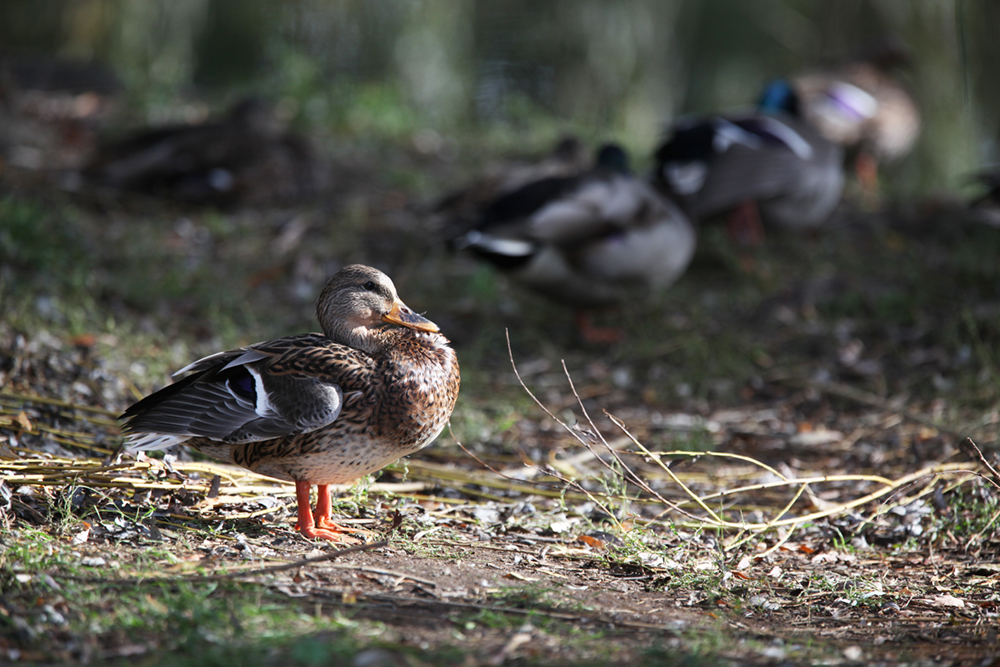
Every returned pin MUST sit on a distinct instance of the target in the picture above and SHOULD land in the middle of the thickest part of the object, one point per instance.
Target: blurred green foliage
(618, 70)
(38, 241)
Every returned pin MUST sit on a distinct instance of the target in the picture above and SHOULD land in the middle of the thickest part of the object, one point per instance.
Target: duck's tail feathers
(496, 246)
(147, 442)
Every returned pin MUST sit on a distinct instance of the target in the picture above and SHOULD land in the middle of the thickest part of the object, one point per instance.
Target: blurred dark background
(620, 69)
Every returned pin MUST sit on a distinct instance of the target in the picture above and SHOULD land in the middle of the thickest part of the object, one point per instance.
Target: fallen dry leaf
(82, 536)
(83, 340)
(592, 542)
(826, 557)
(815, 438)
(23, 420)
(944, 600)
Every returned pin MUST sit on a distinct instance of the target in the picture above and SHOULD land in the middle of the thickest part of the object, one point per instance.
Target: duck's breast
(419, 382)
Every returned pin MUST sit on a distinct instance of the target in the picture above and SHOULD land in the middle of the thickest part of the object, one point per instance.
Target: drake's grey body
(715, 164)
(595, 238)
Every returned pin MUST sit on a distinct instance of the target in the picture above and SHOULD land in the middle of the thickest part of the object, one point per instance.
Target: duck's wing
(503, 234)
(861, 103)
(560, 213)
(160, 153)
(517, 207)
(753, 157)
(600, 204)
(267, 390)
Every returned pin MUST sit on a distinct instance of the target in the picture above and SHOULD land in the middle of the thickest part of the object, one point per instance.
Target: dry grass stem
(802, 486)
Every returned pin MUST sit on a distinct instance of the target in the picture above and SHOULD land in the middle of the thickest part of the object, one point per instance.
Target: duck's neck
(369, 340)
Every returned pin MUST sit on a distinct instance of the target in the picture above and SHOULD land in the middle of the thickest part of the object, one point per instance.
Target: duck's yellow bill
(404, 317)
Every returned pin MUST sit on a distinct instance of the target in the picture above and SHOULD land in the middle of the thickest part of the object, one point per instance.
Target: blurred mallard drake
(769, 159)
(325, 408)
(246, 156)
(459, 211)
(588, 239)
(863, 107)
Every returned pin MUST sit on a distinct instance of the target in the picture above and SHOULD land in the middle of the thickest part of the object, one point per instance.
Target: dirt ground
(860, 359)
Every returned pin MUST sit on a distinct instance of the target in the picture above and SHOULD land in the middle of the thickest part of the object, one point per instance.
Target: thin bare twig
(576, 436)
(626, 469)
(714, 520)
(673, 476)
(969, 444)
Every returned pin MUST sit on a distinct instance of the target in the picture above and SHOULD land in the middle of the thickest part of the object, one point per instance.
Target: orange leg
(593, 334)
(866, 169)
(323, 508)
(322, 527)
(744, 225)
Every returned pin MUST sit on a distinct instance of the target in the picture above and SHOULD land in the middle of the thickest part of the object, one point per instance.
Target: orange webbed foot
(329, 524)
(332, 532)
(321, 527)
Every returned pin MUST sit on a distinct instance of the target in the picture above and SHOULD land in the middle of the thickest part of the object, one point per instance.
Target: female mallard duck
(246, 156)
(863, 107)
(314, 408)
(588, 239)
(769, 159)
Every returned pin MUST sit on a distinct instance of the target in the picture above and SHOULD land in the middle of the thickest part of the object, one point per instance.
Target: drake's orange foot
(866, 169)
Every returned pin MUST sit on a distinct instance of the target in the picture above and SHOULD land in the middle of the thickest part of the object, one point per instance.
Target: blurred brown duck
(326, 408)
(864, 107)
(244, 157)
(52, 108)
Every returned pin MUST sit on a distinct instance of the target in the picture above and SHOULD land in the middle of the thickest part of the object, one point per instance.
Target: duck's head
(613, 158)
(359, 300)
(779, 96)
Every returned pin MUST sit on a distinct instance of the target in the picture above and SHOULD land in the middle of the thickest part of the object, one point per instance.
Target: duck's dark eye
(369, 285)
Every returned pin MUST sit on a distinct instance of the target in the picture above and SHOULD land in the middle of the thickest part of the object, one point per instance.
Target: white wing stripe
(264, 406)
(146, 442)
(790, 138)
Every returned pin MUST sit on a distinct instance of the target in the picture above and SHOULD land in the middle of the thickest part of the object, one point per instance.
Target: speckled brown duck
(247, 157)
(865, 107)
(326, 408)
